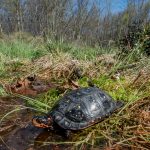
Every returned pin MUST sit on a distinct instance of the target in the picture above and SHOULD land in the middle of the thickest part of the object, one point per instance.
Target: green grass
(44, 102)
(13, 51)
(78, 52)
(19, 49)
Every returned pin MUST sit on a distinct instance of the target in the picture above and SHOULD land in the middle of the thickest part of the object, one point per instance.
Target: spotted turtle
(79, 109)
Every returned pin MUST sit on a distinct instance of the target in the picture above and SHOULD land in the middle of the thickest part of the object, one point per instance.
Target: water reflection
(32, 138)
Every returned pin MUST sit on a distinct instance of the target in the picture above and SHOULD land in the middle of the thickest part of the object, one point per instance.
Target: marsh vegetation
(63, 51)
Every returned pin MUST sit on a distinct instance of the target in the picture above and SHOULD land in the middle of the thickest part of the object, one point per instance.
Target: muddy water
(30, 138)
(17, 132)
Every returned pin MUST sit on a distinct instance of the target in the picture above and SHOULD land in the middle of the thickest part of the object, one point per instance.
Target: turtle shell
(82, 108)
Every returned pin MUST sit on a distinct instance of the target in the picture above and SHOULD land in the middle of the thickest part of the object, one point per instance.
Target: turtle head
(42, 121)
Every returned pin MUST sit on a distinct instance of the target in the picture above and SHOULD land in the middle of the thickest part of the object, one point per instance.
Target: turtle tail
(119, 104)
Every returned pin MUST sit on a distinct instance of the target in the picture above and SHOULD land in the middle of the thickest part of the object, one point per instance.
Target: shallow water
(17, 132)
(29, 138)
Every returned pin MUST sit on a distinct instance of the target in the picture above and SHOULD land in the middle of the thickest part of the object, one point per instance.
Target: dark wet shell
(82, 108)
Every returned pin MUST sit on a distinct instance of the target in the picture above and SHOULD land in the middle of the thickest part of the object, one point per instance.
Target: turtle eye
(38, 120)
(42, 119)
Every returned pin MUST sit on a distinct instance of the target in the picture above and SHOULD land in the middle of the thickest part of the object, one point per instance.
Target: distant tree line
(72, 20)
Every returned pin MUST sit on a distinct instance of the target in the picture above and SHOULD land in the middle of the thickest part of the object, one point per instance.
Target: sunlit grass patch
(77, 51)
(118, 89)
(19, 49)
(14, 52)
